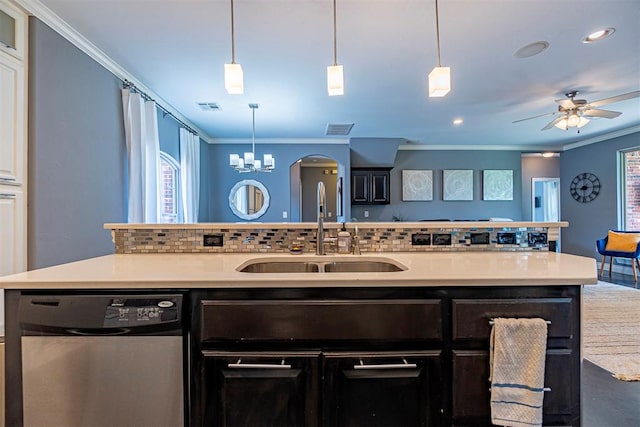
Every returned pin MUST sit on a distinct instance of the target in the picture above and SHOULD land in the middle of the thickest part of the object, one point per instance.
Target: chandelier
(249, 163)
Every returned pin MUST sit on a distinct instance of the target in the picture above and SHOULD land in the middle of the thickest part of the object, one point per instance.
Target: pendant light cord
(335, 44)
(253, 132)
(233, 43)
(437, 32)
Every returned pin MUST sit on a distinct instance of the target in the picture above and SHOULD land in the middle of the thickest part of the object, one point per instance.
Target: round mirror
(249, 199)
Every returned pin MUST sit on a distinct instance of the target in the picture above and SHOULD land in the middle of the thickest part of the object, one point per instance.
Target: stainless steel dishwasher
(102, 360)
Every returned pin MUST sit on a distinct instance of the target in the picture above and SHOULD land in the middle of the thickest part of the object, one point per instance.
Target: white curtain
(190, 174)
(143, 148)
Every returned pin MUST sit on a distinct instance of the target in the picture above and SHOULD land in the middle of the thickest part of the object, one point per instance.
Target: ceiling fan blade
(613, 99)
(552, 123)
(592, 112)
(535, 117)
(566, 103)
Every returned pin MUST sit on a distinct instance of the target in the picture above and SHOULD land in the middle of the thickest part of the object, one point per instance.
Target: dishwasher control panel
(134, 311)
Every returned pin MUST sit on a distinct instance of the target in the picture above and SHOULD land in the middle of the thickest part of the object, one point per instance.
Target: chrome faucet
(321, 206)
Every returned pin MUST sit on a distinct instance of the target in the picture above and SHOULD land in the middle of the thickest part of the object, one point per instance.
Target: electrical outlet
(420, 239)
(284, 214)
(366, 214)
(213, 240)
(329, 214)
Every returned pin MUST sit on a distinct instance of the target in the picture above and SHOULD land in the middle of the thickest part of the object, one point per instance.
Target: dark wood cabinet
(370, 186)
(261, 389)
(386, 356)
(382, 389)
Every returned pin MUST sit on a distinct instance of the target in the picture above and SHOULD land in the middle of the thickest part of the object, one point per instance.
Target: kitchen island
(333, 347)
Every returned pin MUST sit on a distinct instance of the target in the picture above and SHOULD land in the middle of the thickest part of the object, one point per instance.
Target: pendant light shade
(335, 75)
(233, 76)
(335, 80)
(439, 77)
(233, 79)
(439, 81)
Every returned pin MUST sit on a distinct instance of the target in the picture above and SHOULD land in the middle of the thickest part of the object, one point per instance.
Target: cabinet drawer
(471, 387)
(410, 319)
(471, 316)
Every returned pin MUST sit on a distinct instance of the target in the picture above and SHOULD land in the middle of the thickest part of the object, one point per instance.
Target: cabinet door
(12, 231)
(12, 120)
(360, 187)
(380, 187)
(261, 389)
(471, 388)
(382, 389)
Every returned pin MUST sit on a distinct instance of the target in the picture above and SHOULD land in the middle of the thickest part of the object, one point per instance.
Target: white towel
(516, 359)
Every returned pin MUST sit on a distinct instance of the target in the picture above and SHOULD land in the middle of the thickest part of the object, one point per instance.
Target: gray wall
(439, 209)
(221, 177)
(537, 167)
(591, 221)
(77, 163)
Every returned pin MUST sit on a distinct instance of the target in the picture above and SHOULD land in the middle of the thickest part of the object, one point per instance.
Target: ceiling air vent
(208, 106)
(338, 129)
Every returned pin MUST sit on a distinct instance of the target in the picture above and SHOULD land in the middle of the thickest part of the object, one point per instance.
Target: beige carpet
(611, 329)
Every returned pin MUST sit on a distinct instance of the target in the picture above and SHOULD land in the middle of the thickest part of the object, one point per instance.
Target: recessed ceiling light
(531, 49)
(458, 121)
(598, 35)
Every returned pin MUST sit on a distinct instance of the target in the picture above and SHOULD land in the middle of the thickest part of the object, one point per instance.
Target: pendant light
(249, 163)
(335, 77)
(233, 76)
(439, 77)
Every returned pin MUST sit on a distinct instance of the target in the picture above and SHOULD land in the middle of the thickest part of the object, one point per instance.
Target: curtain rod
(126, 84)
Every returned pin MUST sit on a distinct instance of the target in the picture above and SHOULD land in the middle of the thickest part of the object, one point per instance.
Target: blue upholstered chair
(601, 245)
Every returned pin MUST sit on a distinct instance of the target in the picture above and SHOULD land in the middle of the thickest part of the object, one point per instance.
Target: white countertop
(140, 271)
(332, 225)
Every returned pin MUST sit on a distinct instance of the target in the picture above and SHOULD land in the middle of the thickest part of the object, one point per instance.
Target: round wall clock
(585, 187)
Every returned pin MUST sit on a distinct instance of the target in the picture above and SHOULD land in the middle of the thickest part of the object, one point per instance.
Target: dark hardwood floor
(606, 401)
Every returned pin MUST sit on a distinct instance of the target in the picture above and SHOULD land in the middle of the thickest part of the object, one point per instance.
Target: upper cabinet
(370, 186)
(13, 139)
(13, 30)
(12, 120)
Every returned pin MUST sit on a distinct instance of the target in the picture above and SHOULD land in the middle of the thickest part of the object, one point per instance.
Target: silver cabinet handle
(8, 181)
(403, 365)
(240, 365)
(4, 178)
(7, 196)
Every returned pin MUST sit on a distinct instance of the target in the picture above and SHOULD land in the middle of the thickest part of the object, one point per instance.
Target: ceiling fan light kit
(574, 112)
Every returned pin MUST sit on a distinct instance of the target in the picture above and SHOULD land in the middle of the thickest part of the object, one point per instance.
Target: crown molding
(46, 15)
(595, 139)
(425, 147)
(284, 141)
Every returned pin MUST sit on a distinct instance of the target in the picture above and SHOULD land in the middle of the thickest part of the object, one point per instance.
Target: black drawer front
(471, 316)
(414, 319)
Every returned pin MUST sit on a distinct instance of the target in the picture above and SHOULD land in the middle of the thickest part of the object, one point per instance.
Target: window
(169, 185)
(630, 189)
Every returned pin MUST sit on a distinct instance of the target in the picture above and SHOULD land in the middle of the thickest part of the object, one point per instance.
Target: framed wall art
(497, 185)
(457, 184)
(417, 185)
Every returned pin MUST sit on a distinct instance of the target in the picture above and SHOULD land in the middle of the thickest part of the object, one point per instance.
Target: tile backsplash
(280, 239)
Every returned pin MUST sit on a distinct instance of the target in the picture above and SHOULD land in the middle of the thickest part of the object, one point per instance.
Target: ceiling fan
(574, 112)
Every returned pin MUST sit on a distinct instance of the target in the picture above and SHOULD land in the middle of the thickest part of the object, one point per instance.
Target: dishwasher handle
(99, 331)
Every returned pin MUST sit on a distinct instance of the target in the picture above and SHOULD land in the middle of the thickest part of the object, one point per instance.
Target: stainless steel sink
(281, 267)
(360, 267)
(321, 266)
